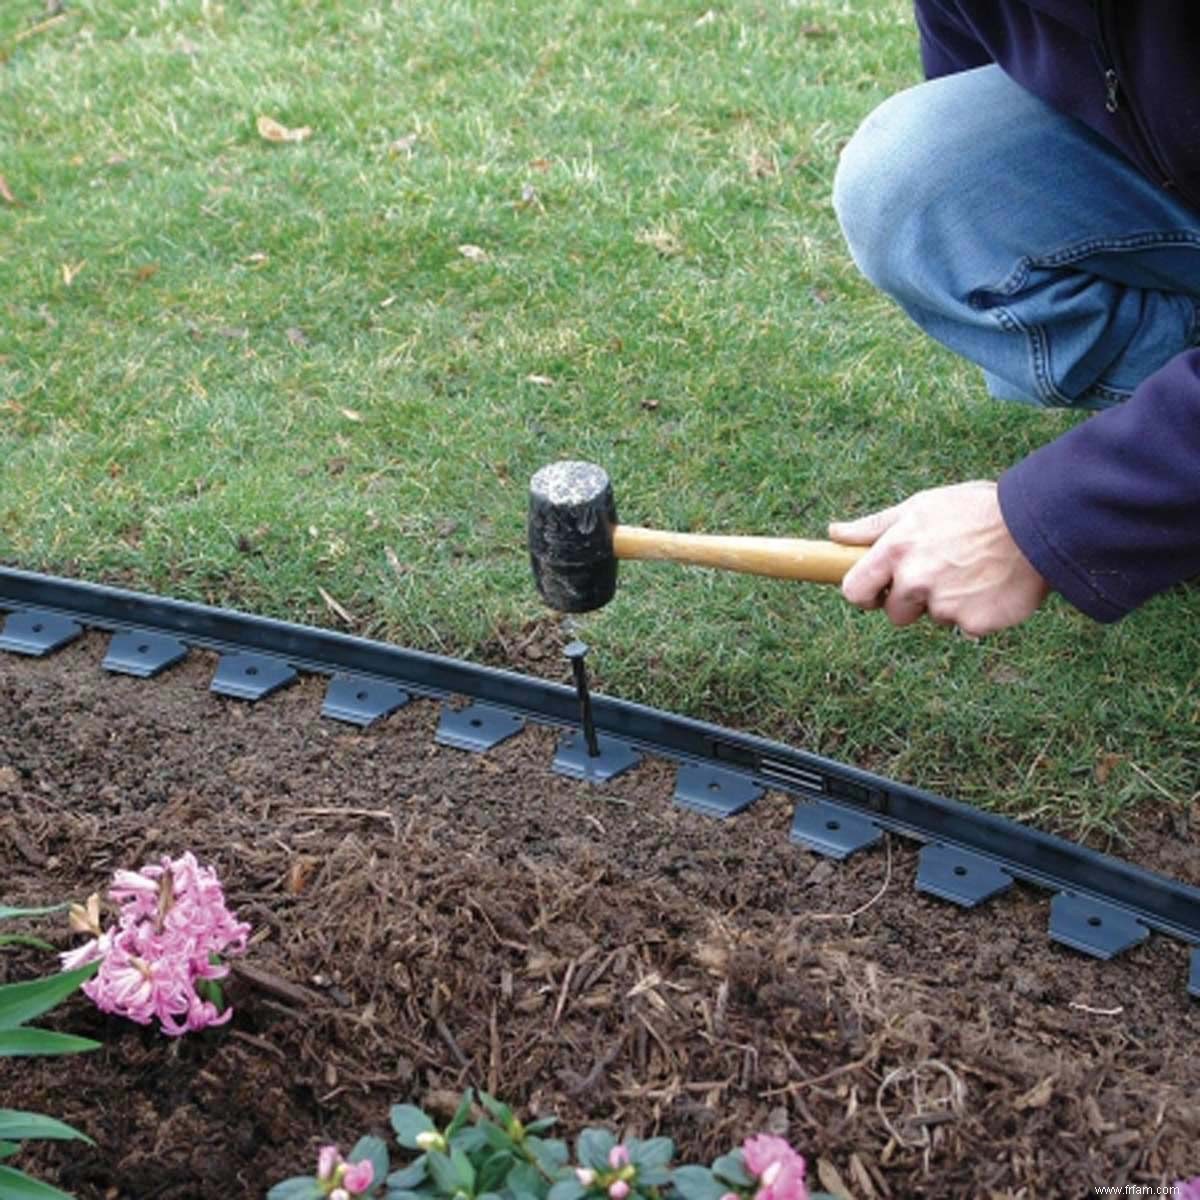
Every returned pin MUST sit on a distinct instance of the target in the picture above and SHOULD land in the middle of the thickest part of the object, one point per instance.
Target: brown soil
(428, 920)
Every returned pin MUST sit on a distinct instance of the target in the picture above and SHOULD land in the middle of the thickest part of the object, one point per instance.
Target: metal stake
(576, 651)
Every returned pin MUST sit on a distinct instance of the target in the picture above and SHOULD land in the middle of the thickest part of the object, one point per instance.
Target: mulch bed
(428, 920)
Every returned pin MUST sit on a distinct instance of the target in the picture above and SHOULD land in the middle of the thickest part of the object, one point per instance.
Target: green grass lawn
(243, 371)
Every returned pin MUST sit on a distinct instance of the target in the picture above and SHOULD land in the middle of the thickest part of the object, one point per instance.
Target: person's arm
(1108, 515)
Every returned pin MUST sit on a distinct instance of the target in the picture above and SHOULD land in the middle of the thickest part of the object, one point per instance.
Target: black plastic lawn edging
(1101, 905)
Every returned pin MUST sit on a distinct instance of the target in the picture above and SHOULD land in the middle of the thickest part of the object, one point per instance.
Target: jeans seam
(1127, 244)
(1017, 277)
(1039, 356)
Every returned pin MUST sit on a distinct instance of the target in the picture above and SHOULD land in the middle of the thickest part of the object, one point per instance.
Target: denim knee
(882, 180)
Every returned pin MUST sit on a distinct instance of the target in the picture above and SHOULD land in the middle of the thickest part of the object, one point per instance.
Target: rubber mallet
(575, 543)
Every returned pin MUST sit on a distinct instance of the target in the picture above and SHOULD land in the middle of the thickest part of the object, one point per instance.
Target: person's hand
(945, 552)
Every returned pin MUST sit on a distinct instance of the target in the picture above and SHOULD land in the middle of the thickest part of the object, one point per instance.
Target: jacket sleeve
(948, 44)
(1109, 513)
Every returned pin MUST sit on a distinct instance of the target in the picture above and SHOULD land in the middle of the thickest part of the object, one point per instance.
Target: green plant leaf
(470, 1140)
(524, 1180)
(541, 1125)
(497, 1108)
(399, 1193)
(443, 1173)
(551, 1154)
(461, 1114)
(651, 1152)
(299, 1187)
(17, 1126)
(592, 1148)
(24, 939)
(464, 1169)
(8, 1149)
(21, 1002)
(566, 1189)
(697, 1183)
(732, 1168)
(16, 1043)
(493, 1171)
(16, 1185)
(652, 1177)
(6, 911)
(408, 1121)
(409, 1177)
(497, 1139)
(374, 1150)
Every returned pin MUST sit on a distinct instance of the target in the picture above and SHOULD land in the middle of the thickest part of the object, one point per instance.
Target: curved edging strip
(1102, 904)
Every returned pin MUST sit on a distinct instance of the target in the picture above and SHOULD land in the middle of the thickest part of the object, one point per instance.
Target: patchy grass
(240, 371)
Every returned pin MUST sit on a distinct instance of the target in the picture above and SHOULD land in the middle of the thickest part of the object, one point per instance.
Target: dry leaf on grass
(475, 254)
(272, 131)
(540, 380)
(394, 562)
(351, 415)
(70, 271)
(334, 607)
(5, 192)
(661, 240)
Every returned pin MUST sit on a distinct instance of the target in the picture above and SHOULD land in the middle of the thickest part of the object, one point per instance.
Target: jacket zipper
(1112, 86)
(1113, 96)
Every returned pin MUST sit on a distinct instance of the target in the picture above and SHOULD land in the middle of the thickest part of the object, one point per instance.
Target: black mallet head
(571, 518)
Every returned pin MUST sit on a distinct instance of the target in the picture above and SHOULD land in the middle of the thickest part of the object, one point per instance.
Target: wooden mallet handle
(777, 557)
(575, 542)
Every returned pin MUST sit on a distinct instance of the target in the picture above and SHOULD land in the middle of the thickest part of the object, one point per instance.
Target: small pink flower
(731, 1196)
(779, 1169)
(618, 1156)
(339, 1194)
(1188, 1189)
(358, 1177)
(327, 1161)
(618, 1189)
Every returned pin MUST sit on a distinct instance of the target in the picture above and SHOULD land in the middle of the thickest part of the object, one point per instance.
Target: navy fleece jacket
(1108, 513)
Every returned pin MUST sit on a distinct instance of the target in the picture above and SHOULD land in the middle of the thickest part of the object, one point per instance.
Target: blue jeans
(1020, 239)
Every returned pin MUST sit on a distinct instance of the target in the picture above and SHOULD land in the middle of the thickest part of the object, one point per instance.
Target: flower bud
(358, 1177)
(618, 1156)
(618, 1190)
(327, 1161)
(339, 1194)
(430, 1139)
(585, 1175)
(85, 918)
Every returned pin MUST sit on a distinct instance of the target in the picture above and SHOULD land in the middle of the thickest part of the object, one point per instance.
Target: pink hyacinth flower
(778, 1168)
(618, 1190)
(1188, 1189)
(358, 1178)
(173, 924)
